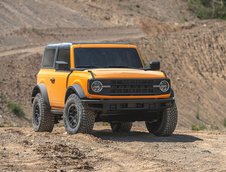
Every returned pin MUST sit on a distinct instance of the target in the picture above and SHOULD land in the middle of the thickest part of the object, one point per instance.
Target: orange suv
(84, 83)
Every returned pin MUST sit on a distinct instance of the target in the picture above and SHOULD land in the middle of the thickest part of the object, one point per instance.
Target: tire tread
(87, 116)
(47, 118)
(168, 123)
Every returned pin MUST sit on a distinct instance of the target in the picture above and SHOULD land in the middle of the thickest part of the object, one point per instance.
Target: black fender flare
(77, 89)
(40, 88)
(171, 93)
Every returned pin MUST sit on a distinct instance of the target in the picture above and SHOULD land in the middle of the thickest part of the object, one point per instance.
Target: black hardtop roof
(68, 44)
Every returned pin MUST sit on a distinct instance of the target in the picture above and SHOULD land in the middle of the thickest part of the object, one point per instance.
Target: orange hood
(126, 73)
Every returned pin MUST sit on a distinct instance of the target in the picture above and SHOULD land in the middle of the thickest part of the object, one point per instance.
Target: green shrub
(16, 109)
(208, 9)
(197, 115)
(2, 98)
(198, 127)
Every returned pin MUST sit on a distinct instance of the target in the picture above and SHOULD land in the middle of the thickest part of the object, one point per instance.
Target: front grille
(124, 87)
(131, 87)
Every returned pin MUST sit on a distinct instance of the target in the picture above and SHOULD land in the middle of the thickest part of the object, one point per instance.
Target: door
(60, 76)
(47, 70)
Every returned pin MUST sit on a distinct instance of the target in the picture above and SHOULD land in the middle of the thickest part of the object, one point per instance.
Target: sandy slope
(192, 52)
(22, 149)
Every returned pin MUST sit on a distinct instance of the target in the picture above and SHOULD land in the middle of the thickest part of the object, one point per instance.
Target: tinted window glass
(63, 55)
(48, 59)
(107, 57)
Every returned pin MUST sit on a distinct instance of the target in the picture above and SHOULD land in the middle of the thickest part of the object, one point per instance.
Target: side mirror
(62, 65)
(155, 65)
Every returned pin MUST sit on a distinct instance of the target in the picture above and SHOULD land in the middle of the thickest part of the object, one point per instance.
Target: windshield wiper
(118, 66)
(86, 66)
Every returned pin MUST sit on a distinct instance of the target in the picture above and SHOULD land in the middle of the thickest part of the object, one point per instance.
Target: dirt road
(22, 149)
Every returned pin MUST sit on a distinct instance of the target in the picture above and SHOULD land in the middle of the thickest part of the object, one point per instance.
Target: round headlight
(97, 86)
(164, 86)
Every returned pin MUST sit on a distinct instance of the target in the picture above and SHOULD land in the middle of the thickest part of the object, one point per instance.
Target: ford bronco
(84, 83)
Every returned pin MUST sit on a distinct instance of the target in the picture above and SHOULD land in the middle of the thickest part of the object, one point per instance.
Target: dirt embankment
(192, 52)
(21, 149)
(194, 58)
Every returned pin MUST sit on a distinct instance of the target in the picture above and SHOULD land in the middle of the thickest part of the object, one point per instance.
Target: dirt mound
(63, 156)
(41, 152)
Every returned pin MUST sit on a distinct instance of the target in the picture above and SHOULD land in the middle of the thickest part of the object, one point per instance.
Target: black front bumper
(120, 105)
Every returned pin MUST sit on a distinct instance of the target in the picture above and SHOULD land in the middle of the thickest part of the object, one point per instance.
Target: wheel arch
(40, 88)
(77, 89)
(171, 93)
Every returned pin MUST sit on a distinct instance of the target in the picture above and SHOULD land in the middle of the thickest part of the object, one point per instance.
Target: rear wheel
(165, 124)
(77, 119)
(118, 127)
(42, 118)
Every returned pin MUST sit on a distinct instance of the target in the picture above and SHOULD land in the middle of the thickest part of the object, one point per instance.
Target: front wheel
(165, 124)
(77, 119)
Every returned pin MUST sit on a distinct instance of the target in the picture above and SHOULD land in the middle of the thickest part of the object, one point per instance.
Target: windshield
(107, 58)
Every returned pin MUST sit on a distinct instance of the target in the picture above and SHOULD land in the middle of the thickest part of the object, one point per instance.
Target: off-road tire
(45, 121)
(121, 127)
(166, 124)
(85, 117)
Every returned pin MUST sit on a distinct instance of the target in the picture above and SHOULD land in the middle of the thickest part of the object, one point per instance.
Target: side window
(48, 58)
(63, 55)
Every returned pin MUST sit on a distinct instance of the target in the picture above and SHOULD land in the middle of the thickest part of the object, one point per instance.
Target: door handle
(52, 80)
